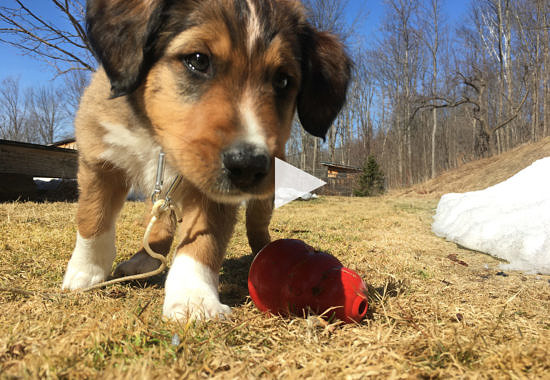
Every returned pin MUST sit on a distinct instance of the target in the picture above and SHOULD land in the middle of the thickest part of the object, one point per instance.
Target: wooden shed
(335, 170)
(340, 179)
(69, 143)
(21, 162)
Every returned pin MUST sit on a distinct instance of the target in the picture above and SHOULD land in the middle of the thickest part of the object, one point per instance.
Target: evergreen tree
(371, 181)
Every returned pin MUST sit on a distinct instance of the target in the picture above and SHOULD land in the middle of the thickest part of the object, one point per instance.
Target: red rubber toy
(288, 276)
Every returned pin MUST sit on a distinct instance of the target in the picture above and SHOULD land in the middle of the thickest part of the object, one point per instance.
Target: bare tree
(494, 30)
(486, 90)
(75, 83)
(432, 25)
(496, 92)
(532, 24)
(360, 101)
(46, 113)
(480, 111)
(13, 115)
(36, 115)
(61, 43)
(330, 15)
(398, 61)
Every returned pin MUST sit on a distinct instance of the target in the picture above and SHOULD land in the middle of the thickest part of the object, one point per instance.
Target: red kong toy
(289, 276)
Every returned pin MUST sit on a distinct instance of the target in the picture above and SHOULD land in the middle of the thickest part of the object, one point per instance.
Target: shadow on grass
(154, 281)
(233, 281)
(392, 287)
(234, 285)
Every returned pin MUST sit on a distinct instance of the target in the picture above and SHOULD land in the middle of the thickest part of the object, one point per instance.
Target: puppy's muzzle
(246, 165)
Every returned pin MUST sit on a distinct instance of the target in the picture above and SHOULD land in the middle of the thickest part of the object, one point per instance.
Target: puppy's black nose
(246, 164)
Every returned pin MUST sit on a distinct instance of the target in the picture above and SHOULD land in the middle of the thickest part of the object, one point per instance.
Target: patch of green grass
(131, 347)
(411, 207)
(423, 274)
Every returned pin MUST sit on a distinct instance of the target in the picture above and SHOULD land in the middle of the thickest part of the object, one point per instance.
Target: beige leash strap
(160, 206)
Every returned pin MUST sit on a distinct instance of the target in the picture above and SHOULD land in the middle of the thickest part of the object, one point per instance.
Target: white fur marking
(91, 260)
(192, 291)
(253, 131)
(134, 150)
(118, 134)
(254, 27)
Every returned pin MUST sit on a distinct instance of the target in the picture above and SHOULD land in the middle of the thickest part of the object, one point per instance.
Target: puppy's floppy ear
(326, 71)
(122, 34)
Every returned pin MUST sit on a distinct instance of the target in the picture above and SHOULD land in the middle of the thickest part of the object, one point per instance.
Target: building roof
(63, 142)
(37, 160)
(51, 148)
(341, 167)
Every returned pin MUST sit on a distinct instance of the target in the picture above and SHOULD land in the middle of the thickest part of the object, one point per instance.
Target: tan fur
(206, 229)
(146, 99)
(258, 216)
(102, 193)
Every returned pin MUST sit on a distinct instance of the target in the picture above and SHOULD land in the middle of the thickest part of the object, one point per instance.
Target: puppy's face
(220, 82)
(222, 98)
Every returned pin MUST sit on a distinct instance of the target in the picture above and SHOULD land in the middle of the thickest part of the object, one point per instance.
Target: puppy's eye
(281, 81)
(197, 62)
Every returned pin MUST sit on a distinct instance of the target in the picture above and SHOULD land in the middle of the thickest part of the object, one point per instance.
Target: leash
(161, 205)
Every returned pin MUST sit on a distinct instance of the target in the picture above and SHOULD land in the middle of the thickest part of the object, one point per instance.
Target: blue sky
(453, 11)
(32, 72)
(13, 63)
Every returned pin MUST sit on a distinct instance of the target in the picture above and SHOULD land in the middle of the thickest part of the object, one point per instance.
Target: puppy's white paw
(192, 292)
(82, 277)
(141, 262)
(90, 262)
(195, 305)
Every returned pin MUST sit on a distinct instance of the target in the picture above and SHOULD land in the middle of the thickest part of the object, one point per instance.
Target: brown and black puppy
(215, 85)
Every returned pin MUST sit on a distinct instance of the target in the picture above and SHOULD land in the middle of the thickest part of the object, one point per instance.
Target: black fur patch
(124, 35)
(326, 72)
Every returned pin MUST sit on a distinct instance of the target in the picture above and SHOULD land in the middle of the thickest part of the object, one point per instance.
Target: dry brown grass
(477, 175)
(431, 314)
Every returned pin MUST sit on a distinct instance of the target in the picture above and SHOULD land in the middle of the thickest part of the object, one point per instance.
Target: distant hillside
(477, 175)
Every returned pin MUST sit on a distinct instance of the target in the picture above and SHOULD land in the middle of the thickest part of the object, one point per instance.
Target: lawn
(436, 310)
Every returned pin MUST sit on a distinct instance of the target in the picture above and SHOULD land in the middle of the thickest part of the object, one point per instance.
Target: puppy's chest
(135, 151)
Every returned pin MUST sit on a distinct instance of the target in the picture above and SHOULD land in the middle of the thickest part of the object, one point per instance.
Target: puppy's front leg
(103, 190)
(160, 240)
(258, 217)
(192, 282)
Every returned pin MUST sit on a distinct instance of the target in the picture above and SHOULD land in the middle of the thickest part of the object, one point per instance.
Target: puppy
(215, 85)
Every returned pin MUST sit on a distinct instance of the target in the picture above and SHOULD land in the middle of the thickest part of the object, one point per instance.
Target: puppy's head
(221, 81)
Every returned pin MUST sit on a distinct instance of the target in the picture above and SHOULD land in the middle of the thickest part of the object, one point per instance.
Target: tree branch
(514, 116)
(448, 104)
(30, 32)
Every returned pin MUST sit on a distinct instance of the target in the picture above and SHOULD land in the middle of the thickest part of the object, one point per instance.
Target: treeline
(428, 96)
(44, 113)
(39, 114)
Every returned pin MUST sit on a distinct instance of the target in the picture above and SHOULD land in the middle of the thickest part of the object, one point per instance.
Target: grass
(436, 310)
(480, 174)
